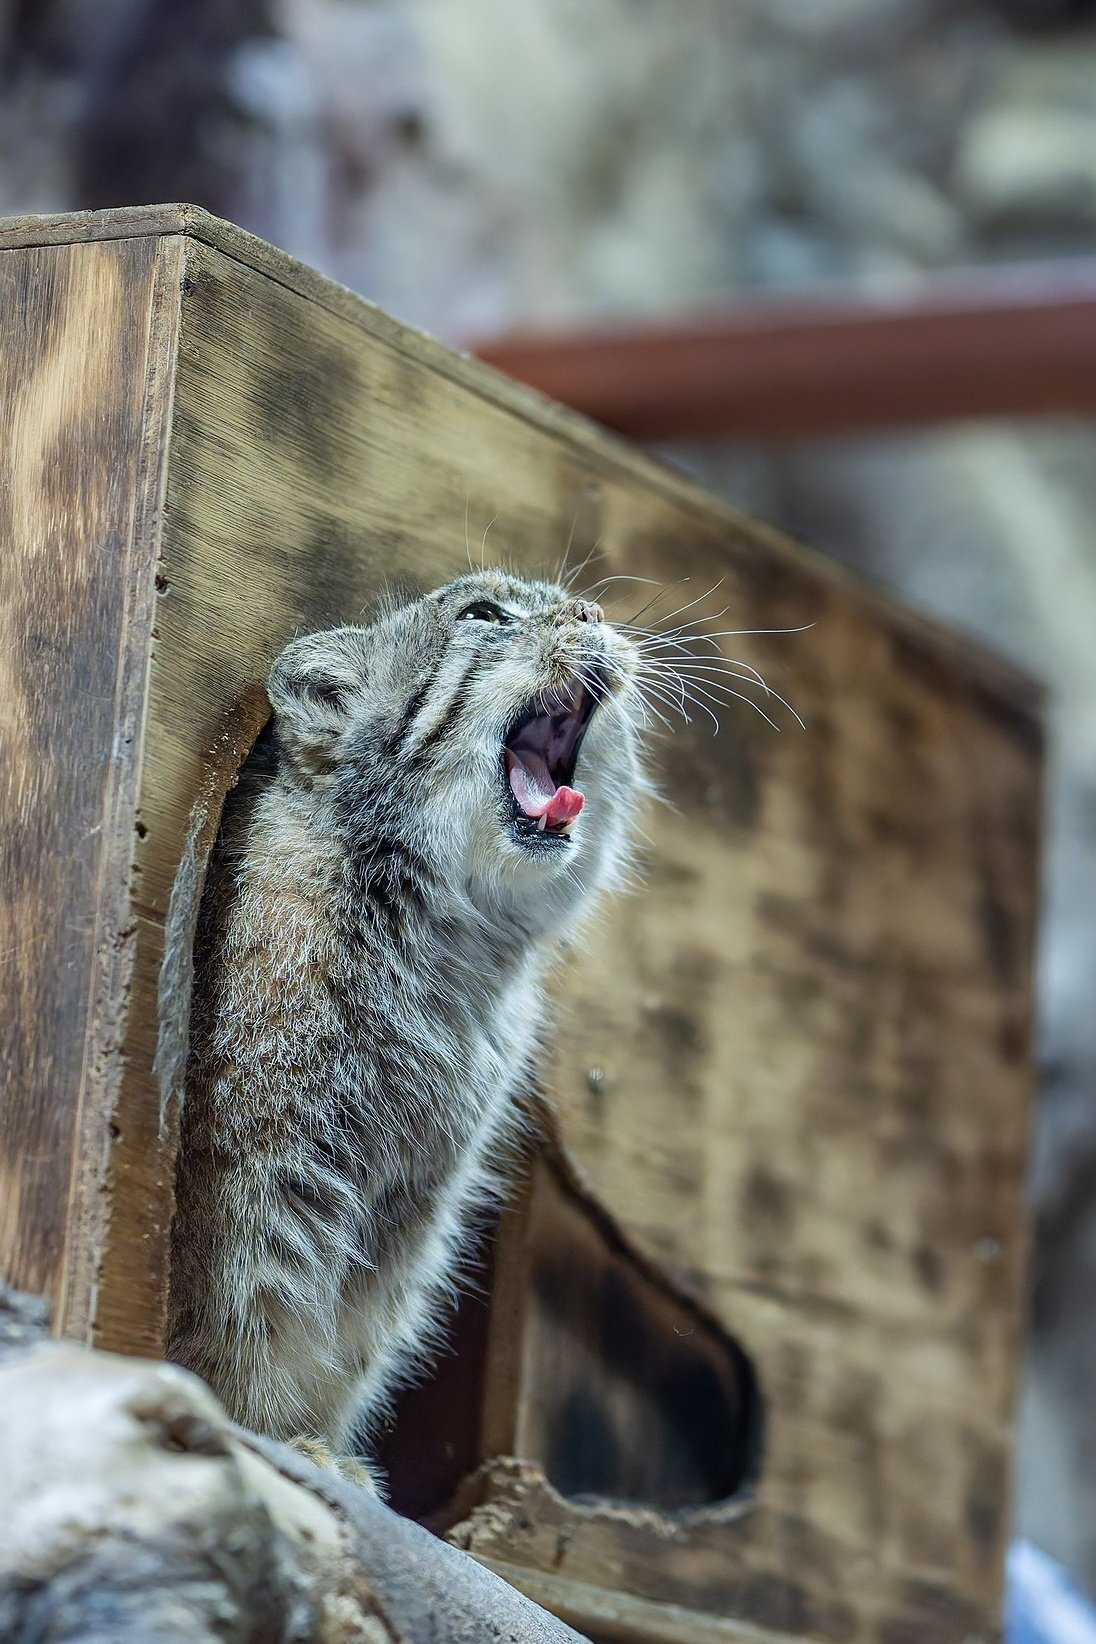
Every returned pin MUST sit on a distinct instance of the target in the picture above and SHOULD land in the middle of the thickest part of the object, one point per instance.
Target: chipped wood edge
(105, 1059)
(620, 1618)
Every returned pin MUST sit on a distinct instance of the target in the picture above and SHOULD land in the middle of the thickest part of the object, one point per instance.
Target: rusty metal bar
(1014, 342)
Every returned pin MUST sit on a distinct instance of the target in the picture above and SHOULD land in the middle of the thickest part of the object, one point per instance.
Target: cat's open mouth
(539, 753)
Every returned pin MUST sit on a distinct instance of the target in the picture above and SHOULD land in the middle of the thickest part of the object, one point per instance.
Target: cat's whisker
(711, 673)
(570, 538)
(654, 599)
(674, 700)
(620, 576)
(717, 663)
(483, 544)
(732, 633)
(647, 706)
(695, 689)
(713, 688)
(769, 690)
(689, 605)
(569, 581)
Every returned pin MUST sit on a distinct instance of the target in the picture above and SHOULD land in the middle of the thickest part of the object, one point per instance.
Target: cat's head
(492, 724)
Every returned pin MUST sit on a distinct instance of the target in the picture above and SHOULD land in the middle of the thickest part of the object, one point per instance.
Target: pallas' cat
(439, 798)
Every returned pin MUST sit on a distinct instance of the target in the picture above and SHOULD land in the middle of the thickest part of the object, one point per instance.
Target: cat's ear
(312, 687)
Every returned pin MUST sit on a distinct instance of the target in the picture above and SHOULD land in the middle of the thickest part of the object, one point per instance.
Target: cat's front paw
(351, 1468)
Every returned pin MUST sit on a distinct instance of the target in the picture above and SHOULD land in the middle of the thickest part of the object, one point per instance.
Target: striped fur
(369, 969)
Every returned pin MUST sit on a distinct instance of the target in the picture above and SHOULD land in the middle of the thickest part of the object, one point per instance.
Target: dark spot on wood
(1020, 725)
(664, 871)
(301, 405)
(855, 1409)
(917, 661)
(928, 1267)
(775, 590)
(807, 1549)
(902, 722)
(983, 1507)
(982, 1516)
(1014, 1038)
(797, 989)
(330, 544)
(886, 827)
(696, 968)
(999, 934)
(776, 1601)
(767, 1202)
(790, 1377)
(931, 1614)
(680, 1037)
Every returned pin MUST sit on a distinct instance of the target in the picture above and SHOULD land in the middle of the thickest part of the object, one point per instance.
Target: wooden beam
(995, 343)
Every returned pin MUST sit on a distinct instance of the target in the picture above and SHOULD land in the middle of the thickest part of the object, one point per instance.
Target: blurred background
(478, 167)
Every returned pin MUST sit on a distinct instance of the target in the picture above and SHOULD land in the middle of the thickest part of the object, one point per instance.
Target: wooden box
(791, 1073)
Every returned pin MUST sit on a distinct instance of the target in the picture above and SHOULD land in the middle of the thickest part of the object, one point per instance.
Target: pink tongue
(538, 796)
(565, 806)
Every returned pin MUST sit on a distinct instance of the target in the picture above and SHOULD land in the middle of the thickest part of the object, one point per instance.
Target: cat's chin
(535, 839)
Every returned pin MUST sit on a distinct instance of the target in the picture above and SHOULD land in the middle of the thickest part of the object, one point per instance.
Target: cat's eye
(483, 611)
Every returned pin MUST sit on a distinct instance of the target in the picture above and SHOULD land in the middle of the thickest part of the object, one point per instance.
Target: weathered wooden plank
(81, 392)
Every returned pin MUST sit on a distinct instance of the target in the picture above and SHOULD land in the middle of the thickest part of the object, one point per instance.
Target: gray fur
(371, 955)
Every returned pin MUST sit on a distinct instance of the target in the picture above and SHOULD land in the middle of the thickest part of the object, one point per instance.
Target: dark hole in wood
(623, 1390)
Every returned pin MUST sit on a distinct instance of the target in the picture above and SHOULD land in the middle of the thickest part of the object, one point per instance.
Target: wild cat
(439, 800)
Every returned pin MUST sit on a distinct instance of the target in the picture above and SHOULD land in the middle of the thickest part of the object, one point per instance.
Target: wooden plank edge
(619, 1618)
(106, 1054)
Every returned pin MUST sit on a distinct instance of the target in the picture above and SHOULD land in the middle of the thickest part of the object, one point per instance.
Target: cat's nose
(584, 610)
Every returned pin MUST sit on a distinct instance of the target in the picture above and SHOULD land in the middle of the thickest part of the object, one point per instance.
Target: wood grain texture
(75, 472)
(811, 1028)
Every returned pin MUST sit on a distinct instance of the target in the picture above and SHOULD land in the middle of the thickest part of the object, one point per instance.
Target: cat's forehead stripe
(497, 585)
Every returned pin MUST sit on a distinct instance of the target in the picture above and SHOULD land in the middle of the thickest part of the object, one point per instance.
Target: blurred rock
(1025, 171)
